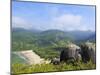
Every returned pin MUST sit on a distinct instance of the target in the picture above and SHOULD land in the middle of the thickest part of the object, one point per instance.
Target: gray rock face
(88, 52)
(72, 52)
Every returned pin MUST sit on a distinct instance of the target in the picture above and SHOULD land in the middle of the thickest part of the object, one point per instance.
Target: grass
(39, 68)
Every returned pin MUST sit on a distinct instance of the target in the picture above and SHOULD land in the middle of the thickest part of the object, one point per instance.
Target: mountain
(81, 35)
(25, 30)
(23, 35)
(92, 38)
(50, 37)
(47, 44)
(55, 35)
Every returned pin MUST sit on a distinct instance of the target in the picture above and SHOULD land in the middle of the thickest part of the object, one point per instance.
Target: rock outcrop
(88, 52)
(72, 52)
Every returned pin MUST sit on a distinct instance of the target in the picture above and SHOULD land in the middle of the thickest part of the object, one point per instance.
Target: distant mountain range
(51, 36)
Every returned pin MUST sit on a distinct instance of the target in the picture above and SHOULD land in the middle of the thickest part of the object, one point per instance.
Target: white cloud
(20, 22)
(71, 22)
(67, 21)
(62, 22)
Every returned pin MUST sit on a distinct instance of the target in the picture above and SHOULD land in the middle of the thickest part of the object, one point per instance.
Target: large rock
(72, 52)
(88, 52)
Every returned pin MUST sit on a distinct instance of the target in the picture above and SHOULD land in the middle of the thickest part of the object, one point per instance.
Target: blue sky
(45, 16)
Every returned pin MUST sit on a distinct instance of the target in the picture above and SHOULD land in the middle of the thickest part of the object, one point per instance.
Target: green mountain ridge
(51, 35)
(47, 44)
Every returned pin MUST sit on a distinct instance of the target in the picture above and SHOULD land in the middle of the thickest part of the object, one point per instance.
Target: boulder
(88, 52)
(71, 53)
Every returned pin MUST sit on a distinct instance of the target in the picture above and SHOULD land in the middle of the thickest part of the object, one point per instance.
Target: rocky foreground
(84, 52)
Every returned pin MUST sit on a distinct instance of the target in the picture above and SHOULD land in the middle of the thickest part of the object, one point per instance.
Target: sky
(47, 16)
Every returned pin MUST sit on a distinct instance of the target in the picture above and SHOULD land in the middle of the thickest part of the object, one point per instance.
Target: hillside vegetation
(23, 69)
(47, 44)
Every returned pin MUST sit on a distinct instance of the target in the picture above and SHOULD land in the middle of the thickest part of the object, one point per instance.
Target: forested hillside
(47, 43)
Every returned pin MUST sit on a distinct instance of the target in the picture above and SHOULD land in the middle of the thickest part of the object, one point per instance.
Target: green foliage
(47, 44)
(43, 43)
(22, 68)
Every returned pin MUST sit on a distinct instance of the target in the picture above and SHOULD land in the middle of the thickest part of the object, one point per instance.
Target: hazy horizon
(49, 16)
(51, 29)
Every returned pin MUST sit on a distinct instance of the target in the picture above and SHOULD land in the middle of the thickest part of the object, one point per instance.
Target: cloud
(62, 22)
(71, 22)
(47, 16)
(67, 22)
(20, 23)
(69, 19)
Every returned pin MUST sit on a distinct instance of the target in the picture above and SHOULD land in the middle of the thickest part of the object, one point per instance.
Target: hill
(46, 43)
(50, 35)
